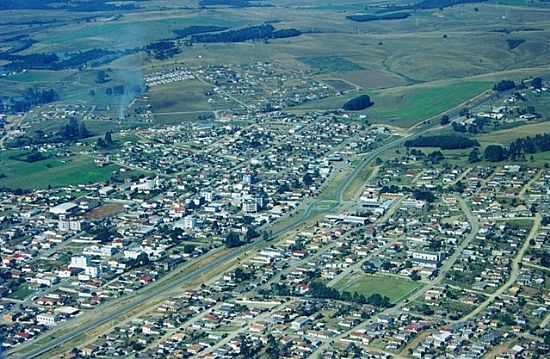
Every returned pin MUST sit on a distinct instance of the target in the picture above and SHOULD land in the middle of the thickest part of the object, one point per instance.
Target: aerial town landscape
(275, 179)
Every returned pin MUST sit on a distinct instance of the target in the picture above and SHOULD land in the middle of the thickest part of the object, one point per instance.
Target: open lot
(406, 106)
(395, 288)
(51, 172)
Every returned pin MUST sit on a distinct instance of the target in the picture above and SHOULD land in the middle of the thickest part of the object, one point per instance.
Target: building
(426, 259)
(47, 319)
(79, 262)
(64, 208)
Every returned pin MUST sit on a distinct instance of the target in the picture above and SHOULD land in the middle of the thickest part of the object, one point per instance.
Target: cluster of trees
(233, 239)
(320, 290)
(518, 148)
(260, 32)
(537, 83)
(97, 5)
(162, 50)
(423, 195)
(440, 4)
(31, 97)
(446, 142)
(358, 103)
(106, 142)
(46, 61)
(101, 5)
(197, 29)
(74, 130)
(392, 16)
(232, 3)
(504, 85)
(476, 126)
(513, 43)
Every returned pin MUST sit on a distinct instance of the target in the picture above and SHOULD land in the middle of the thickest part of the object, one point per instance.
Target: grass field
(393, 287)
(22, 292)
(132, 31)
(51, 172)
(183, 96)
(330, 63)
(409, 105)
(508, 135)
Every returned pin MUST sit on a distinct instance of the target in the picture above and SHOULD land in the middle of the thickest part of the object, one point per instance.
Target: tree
(307, 180)
(537, 83)
(272, 348)
(473, 157)
(232, 240)
(108, 138)
(504, 85)
(188, 248)
(358, 103)
(494, 153)
(415, 276)
(445, 120)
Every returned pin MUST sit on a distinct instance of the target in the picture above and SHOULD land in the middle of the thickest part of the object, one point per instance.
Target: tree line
(320, 290)
(518, 148)
(259, 32)
(445, 142)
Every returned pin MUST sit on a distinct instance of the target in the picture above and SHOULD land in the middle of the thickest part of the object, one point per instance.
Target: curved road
(121, 308)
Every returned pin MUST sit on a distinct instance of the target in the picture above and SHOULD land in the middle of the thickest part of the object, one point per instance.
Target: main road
(120, 308)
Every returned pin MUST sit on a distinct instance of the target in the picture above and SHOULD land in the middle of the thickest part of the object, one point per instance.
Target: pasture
(52, 171)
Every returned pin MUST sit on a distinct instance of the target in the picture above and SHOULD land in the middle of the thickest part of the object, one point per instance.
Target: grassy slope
(406, 106)
(52, 171)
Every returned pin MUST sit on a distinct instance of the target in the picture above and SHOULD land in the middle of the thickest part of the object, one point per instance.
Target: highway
(118, 309)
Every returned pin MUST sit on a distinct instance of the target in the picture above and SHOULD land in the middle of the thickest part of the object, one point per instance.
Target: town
(293, 234)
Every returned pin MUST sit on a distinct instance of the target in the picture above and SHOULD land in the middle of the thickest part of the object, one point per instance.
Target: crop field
(393, 287)
(50, 172)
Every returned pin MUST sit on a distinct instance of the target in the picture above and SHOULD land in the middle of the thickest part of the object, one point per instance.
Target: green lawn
(22, 292)
(52, 171)
(393, 287)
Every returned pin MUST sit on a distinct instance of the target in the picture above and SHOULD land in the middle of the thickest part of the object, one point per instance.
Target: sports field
(394, 287)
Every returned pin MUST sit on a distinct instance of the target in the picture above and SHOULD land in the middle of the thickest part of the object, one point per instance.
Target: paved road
(113, 310)
(441, 276)
(513, 274)
(127, 304)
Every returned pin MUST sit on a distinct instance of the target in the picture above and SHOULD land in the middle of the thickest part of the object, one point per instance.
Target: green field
(22, 292)
(508, 135)
(330, 64)
(132, 31)
(50, 172)
(395, 288)
(407, 106)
